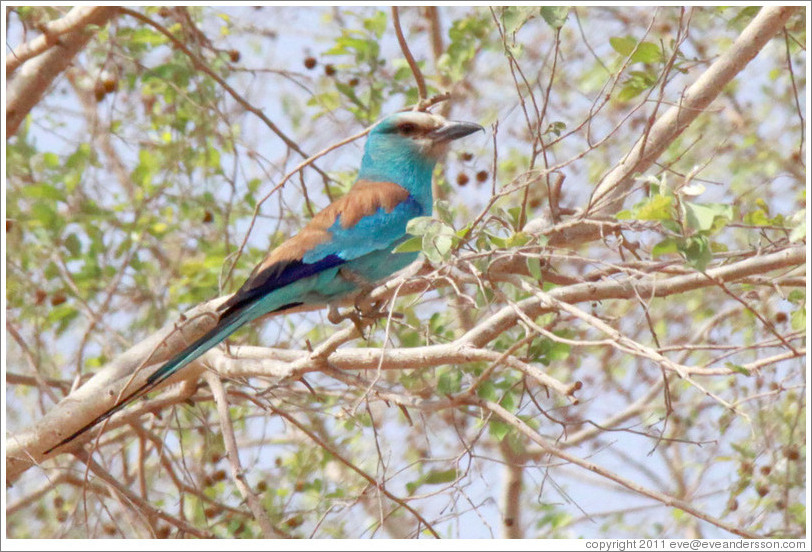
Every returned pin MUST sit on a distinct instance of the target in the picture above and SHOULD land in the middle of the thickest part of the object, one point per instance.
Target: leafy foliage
(152, 177)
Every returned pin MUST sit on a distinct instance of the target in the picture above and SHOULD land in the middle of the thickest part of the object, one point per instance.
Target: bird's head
(422, 133)
(409, 142)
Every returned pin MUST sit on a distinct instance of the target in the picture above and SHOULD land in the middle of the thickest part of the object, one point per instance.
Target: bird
(345, 247)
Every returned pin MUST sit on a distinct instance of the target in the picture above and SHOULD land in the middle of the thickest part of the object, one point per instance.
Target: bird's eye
(407, 128)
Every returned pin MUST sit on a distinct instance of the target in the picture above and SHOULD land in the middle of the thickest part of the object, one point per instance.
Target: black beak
(452, 130)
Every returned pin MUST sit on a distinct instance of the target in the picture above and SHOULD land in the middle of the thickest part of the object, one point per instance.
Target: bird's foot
(335, 316)
(366, 310)
(362, 316)
(365, 306)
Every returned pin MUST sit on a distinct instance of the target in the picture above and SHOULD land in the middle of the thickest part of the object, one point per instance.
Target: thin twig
(404, 47)
(233, 453)
(372, 481)
(550, 448)
(202, 66)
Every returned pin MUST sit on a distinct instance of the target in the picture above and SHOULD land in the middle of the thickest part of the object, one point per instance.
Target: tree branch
(75, 20)
(35, 75)
(199, 64)
(404, 47)
(609, 195)
(553, 450)
(26, 447)
(233, 453)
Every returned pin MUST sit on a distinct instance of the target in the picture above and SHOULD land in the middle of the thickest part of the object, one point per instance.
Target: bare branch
(233, 452)
(556, 451)
(35, 75)
(75, 20)
(407, 53)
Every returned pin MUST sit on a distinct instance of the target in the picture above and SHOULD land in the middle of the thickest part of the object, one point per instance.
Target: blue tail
(224, 328)
(227, 325)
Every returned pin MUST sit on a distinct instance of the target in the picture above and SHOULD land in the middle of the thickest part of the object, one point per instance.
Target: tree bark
(44, 59)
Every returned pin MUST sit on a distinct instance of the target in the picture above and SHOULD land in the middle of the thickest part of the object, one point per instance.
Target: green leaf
(376, 24)
(644, 52)
(412, 486)
(438, 238)
(757, 218)
(403, 72)
(629, 92)
(698, 217)
(465, 35)
(763, 205)
(418, 226)
(696, 251)
(534, 267)
(45, 215)
(798, 319)
(718, 247)
(738, 368)
(647, 52)
(500, 243)
(43, 191)
(513, 17)
(487, 390)
(657, 207)
(668, 245)
(555, 16)
(411, 245)
(701, 217)
(443, 243)
(497, 429)
(62, 315)
(508, 402)
(73, 245)
(449, 381)
(51, 160)
(514, 214)
(430, 251)
(435, 477)
(443, 210)
(174, 72)
(637, 82)
(559, 351)
(329, 101)
(158, 229)
(519, 239)
(799, 232)
(254, 184)
(623, 45)
(147, 37)
(743, 450)
(349, 92)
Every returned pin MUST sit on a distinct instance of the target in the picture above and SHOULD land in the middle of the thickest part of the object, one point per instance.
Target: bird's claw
(362, 315)
(365, 306)
(335, 316)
